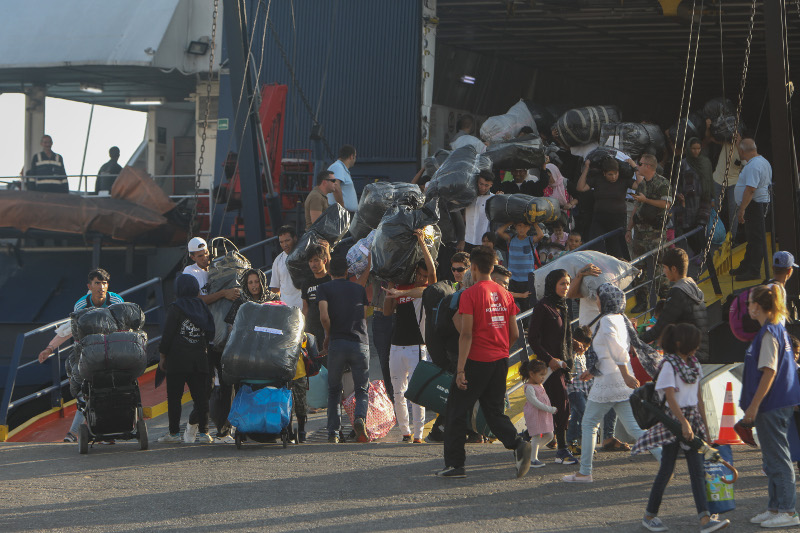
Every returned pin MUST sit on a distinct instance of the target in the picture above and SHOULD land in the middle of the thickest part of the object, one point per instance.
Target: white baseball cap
(197, 244)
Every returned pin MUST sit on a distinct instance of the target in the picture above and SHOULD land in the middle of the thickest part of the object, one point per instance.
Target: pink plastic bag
(380, 412)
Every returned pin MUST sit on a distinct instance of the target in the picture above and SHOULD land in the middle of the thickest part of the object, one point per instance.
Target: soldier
(652, 202)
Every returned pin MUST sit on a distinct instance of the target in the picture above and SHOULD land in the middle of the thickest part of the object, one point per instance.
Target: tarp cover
(136, 186)
(68, 213)
(264, 343)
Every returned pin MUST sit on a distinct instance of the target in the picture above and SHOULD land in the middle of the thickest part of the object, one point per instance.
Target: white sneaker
(762, 517)
(169, 438)
(190, 433)
(227, 439)
(782, 520)
(204, 438)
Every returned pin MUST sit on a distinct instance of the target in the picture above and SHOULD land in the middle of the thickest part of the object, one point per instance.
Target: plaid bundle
(659, 435)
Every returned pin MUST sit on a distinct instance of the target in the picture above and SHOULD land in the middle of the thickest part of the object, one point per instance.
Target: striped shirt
(86, 301)
(521, 261)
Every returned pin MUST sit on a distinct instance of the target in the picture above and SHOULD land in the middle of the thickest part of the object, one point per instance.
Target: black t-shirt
(608, 197)
(526, 187)
(346, 301)
(309, 294)
(407, 321)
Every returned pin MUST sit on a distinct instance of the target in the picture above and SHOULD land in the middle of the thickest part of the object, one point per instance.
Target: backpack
(742, 326)
(432, 297)
(444, 332)
(310, 355)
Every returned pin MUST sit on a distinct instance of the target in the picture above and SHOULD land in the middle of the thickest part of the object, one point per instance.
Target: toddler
(538, 411)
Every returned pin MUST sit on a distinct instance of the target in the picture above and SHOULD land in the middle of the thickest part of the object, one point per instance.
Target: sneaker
(564, 457)
(536, 463)
(333, 438)
(449, 471)
(781, 520)
(574, 449)
(361, 430)
(204, 438)
(716, 525)
(654, 524)
(418, 441)
(69, 437)
(575, 478)
(225, 439)
(522, 457)
(190, 433)
(169, 438)
(406, 438)
(762, 517)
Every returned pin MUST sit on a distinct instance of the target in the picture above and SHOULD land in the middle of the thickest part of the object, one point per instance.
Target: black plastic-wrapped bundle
(522, 152)
(456, 179)
(432, 164)
(634, 139)
(92, 321)
(224, 271)
(696, 128)
(723, 128)
(395, 249)
(377, 198)
(121, 351)
(128, 316)
(542, 116)
(504, 208)
(264, 343)
(716, 107)
(597, 156)
(582, 125)
(331, 226)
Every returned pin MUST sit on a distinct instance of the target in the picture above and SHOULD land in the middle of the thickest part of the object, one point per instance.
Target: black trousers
(755, 230)
(198, 388)
(225, 392)
(603, 223)
(486, 383)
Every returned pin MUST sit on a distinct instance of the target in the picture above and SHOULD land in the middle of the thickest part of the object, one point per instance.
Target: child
(559, 236)
(647, 326)
(678, 381)
(522, 258)
(578, 390)
(490, 239)
(538, 411)
(574, 240)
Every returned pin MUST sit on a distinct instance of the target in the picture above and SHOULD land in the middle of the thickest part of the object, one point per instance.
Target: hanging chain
(201, 159)
(729, 159)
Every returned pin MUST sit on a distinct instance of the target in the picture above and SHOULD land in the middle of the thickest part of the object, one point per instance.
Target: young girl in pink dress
(538, 411)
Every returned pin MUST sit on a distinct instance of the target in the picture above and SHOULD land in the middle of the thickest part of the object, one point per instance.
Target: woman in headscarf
(253, 284)
(188, 330)
(609, 362)
(550, 337)
(557, 188)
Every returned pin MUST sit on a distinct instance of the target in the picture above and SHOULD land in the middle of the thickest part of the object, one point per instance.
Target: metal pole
(784, 169)
(85, 147)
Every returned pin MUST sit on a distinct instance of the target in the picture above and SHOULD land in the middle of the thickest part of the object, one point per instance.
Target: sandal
(616, 445)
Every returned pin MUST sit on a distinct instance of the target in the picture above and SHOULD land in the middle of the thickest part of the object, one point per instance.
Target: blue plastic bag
(263, 411)
(719, 494)
(317, 397)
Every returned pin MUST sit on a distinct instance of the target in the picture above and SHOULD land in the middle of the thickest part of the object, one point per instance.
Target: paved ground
(383, 486)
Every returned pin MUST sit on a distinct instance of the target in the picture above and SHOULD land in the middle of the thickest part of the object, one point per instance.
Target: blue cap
(783, 260)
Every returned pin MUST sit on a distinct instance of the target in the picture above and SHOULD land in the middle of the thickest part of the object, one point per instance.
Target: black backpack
(432, 298)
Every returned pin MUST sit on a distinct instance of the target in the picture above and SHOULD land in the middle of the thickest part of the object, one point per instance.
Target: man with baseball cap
(782, 266)
(198, 252)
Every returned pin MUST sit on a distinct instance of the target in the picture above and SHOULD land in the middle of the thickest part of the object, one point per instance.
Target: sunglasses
(330, 179)
(458, 269)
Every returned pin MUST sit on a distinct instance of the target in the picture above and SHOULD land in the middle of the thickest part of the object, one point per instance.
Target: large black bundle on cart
(121, 351)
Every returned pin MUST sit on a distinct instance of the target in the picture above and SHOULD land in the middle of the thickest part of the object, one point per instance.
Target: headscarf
(701, 165)
(559, 184)
(186, 291)
(266, 294)
(559, 304)
(612, 302)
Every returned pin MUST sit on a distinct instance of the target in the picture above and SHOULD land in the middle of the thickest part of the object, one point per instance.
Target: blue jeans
(341, 354)
(577, 402)
(382, 327)
(697, 478)
(772, 427)
(591, 422)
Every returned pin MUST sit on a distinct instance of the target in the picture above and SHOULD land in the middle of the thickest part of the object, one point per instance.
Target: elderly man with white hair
(752, 197)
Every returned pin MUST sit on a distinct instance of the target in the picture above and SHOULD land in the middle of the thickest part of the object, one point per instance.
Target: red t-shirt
(492, 308)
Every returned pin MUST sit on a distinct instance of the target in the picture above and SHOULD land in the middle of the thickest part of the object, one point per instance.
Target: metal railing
(264, 252)
(56, 383)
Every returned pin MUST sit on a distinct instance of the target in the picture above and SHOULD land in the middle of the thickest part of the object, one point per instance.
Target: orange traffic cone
(727, 435)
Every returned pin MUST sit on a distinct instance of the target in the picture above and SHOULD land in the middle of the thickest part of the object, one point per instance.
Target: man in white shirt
(345, 191)
(281, 282)
(476, 221)
(198, 252)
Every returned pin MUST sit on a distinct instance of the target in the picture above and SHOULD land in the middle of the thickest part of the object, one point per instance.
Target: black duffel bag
(645, 404)
(634, 139)
(600, 153)
(582, 126)
(504, 208)
(456, 180)
(717, 107)
(723, 128)
(376, 198)
(523, 152)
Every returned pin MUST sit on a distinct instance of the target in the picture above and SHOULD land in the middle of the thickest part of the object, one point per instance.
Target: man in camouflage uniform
(652, 201)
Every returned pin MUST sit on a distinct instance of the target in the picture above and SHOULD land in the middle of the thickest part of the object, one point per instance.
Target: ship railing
(153, 292)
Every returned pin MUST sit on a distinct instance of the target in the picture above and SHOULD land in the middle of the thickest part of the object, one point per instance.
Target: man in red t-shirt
(488, 328)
